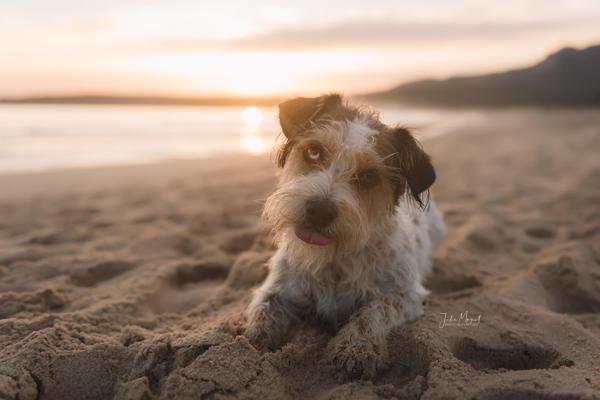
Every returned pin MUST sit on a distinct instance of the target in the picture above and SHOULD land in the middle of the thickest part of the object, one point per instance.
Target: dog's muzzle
(320, 213)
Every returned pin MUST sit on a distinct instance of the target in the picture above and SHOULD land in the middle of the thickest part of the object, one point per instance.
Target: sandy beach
(129, 282)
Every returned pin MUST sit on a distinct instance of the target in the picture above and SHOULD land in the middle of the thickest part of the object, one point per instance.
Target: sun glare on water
(252, 117)
(251, 141)
(254, 144)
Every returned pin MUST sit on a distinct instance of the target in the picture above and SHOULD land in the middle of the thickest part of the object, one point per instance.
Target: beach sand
(130, 282)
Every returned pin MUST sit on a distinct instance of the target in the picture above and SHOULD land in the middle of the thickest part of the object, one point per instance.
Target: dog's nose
(320, 212)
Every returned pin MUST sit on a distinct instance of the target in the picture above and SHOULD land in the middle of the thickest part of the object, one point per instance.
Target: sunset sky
(205, 48)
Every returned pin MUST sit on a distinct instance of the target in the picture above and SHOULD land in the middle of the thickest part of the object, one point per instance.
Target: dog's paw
(261, 338)
(357, 359)
(264, 331)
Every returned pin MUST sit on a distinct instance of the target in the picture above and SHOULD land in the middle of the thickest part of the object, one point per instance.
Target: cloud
(366, 33)
(91, 24)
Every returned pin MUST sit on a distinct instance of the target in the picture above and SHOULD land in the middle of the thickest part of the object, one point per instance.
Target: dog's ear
(296, 114)
(411, 162)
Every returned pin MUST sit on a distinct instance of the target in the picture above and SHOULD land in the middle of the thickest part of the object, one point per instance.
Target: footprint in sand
(537, 235)
(240, 241)
(570, 276)
(540, 232)
(187, 286)
(451, 276)
(185, 274)
(100, 272)
(166, 245)
(481, 234)
(13, 256)
(513, 354)
(53, 237)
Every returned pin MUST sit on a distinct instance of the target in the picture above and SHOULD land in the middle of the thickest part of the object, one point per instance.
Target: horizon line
(139, 99)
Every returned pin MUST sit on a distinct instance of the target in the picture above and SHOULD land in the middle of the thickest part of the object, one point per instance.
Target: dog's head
(342, 174)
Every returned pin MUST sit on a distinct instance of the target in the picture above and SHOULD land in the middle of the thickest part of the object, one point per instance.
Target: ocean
(41, 137)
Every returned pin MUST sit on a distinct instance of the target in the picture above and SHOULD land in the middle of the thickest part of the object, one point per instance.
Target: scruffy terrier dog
(354, 231)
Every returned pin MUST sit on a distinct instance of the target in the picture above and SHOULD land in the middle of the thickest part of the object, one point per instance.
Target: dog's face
(343, 172)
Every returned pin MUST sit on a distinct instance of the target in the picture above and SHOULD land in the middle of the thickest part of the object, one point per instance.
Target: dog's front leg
(271, 313)
(360, 347)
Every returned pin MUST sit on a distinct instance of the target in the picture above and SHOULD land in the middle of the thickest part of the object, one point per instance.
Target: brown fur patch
(295, 149)
(408, 165)
(301, 115)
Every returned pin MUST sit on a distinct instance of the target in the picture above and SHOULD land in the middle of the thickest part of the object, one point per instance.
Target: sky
(273, 48)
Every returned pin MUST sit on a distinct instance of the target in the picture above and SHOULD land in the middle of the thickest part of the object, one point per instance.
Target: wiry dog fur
(381, 226)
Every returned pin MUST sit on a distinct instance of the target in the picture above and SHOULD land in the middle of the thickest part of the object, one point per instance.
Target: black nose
(320, 212)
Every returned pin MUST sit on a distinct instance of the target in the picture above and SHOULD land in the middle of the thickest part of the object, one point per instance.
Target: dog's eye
(313, 153)
(367, 178)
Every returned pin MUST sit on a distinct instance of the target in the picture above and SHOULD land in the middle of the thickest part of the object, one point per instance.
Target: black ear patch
(409, 164)
(295, 115)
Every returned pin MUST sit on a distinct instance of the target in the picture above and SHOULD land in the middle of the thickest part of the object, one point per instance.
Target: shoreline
(426, 125)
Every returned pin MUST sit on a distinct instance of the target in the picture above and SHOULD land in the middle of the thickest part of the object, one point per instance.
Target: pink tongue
(312, 237)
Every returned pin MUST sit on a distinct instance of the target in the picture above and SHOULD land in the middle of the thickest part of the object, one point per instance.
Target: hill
(568, 77)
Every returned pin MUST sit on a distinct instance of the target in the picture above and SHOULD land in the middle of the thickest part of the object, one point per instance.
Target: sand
(130, 282)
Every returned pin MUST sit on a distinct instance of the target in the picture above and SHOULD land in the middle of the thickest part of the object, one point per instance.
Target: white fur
(395, 261)
(358, 134)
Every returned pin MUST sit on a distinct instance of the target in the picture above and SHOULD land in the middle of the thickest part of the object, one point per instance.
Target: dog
(355, 231)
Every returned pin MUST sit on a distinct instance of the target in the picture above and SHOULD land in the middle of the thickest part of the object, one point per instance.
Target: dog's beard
(285, 209)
